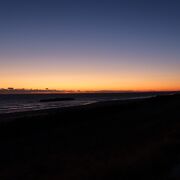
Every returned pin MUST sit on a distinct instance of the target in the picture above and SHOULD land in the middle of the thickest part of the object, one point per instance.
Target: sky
(90, 44)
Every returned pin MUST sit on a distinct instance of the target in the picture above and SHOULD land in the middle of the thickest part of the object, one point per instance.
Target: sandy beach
(109, 140)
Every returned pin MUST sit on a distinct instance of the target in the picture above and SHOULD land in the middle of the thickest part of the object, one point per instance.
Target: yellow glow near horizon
(89, 76)
(87, 82)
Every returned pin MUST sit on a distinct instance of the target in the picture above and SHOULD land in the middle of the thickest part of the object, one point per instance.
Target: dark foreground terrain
(111, 140)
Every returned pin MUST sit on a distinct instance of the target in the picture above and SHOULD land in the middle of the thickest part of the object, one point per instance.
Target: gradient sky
(90, 44)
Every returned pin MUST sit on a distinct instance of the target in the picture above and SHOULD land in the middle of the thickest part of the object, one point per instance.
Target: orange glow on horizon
(91, 83)
(91, 76)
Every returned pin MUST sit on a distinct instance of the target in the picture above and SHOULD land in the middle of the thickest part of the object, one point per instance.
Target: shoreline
(18, 114)
(33, 104)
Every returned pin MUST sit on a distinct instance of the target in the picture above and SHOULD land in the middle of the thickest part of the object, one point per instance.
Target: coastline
(32, 102)
(16, 115)
(127, 139)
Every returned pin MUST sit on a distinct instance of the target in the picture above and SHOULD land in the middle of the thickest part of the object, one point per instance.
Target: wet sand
(110, 140)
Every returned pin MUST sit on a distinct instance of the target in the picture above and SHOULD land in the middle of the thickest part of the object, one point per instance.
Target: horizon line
(53, 91)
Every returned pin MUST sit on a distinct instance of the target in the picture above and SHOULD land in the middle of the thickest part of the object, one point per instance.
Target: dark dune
(112, 140)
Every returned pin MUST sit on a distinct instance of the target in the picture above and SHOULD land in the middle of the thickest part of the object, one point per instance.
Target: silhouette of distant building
(10, 88)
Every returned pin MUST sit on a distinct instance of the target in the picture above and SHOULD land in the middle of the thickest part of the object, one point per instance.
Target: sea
(10, 103)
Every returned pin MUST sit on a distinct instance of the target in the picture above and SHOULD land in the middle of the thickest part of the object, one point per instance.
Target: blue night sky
(90, 44)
